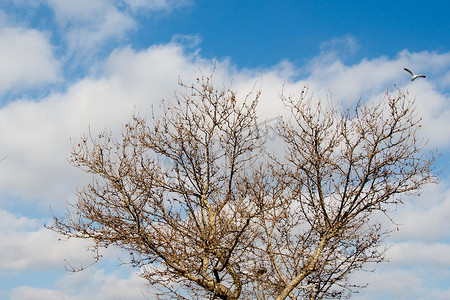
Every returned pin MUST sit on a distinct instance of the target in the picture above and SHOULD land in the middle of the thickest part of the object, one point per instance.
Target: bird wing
(409, 71)
(418, 76)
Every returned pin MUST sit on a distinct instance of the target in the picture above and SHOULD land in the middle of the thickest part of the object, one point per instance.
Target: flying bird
(414, 76)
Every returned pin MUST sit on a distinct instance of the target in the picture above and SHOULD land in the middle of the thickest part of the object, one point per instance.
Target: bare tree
(341, 168)
(205, 212)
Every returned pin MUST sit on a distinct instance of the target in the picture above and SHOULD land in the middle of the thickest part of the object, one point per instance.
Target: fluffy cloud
(411, 282)
(36, 166)
(398, 284)
(11, 223)
(87, 285)
(26, 59)
(89, 24)
(339, 47)
(157, 4)
(434, 254)
(369, 80)
(422, 218)
(26, 245)
(368, 77)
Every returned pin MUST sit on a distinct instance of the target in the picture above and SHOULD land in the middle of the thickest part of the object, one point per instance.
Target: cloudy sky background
(67, 65)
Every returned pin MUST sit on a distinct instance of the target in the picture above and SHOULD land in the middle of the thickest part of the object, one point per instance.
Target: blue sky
(66, 65)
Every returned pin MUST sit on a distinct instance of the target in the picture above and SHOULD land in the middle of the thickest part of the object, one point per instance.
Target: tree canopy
(206, 211)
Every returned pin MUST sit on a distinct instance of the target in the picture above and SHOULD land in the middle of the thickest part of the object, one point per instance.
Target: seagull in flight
(414, 76)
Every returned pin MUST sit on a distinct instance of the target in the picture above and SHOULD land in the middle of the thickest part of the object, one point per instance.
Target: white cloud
(398, 284)
(3, 18)
(87, 25)
(36, 165)
(157, 4)
(440, 295)
(423, 218)
(339, 47)
(27, 245)
(26, 59)
(369, 79)
(40, 250)
(11, 223)
(113, 24)
(411, 282)
(86, 285)
(29, 293)
(419, 252)
(81, 10)
(37, 148)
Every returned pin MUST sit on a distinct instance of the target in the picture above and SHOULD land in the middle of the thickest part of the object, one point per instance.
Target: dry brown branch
(344, 166)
